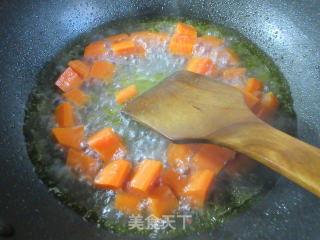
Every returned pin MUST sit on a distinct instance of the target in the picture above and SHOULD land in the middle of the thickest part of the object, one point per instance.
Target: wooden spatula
(187, 107)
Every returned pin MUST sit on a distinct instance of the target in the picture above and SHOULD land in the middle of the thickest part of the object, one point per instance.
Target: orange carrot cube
(146, 176)
(270, 100)
(69, 137)
(113, 175)
(124, 48)
(182, 45)
(179, 155)
(102, 70)
(94, 49)
(65, 115)
(76, 96)
(250, 99)
(175, 181)
(198, 187)
(107, 144)
(254, 86)
(126, 94)
(68, 80)
(267, 106)
(162, 201)
(211, 157)
(80, 67)
(202, 66)
(184, 29)
(128, 203)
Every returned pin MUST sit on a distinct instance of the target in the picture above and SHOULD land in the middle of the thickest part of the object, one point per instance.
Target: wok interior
(231, 193)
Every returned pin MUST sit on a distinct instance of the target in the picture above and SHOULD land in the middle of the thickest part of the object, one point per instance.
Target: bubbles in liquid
(103, 110)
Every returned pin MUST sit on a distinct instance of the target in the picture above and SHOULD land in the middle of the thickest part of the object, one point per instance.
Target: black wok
(32, 32)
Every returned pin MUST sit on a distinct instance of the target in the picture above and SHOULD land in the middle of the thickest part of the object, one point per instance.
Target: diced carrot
(234, 72)
(270, 100)
(254, 86)
(118, 37)
(184, 29)
(175, 181)
(162, 201)
(76, 96)
(145, 177)
(211, 157)
(211, 39)
(124, 48)
(267, 106)
(202, 66)
(251, 99)
(80, 67)
(102, 70)
(107, 144)
(69, 137)
(65, 115)
(198, 187)
(68, 80)
(113, 175)
(125, 94)
(128, 203)
(182, 44)
(96, 48)
(83, 164)
(232, 57)
(179, 155)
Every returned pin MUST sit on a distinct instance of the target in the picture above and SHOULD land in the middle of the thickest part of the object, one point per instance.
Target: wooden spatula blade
(188, 106)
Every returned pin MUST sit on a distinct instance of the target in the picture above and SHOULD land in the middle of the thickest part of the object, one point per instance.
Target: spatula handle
(287, 155)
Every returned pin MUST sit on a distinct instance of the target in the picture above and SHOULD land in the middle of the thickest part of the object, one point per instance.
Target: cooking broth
(233, 191)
